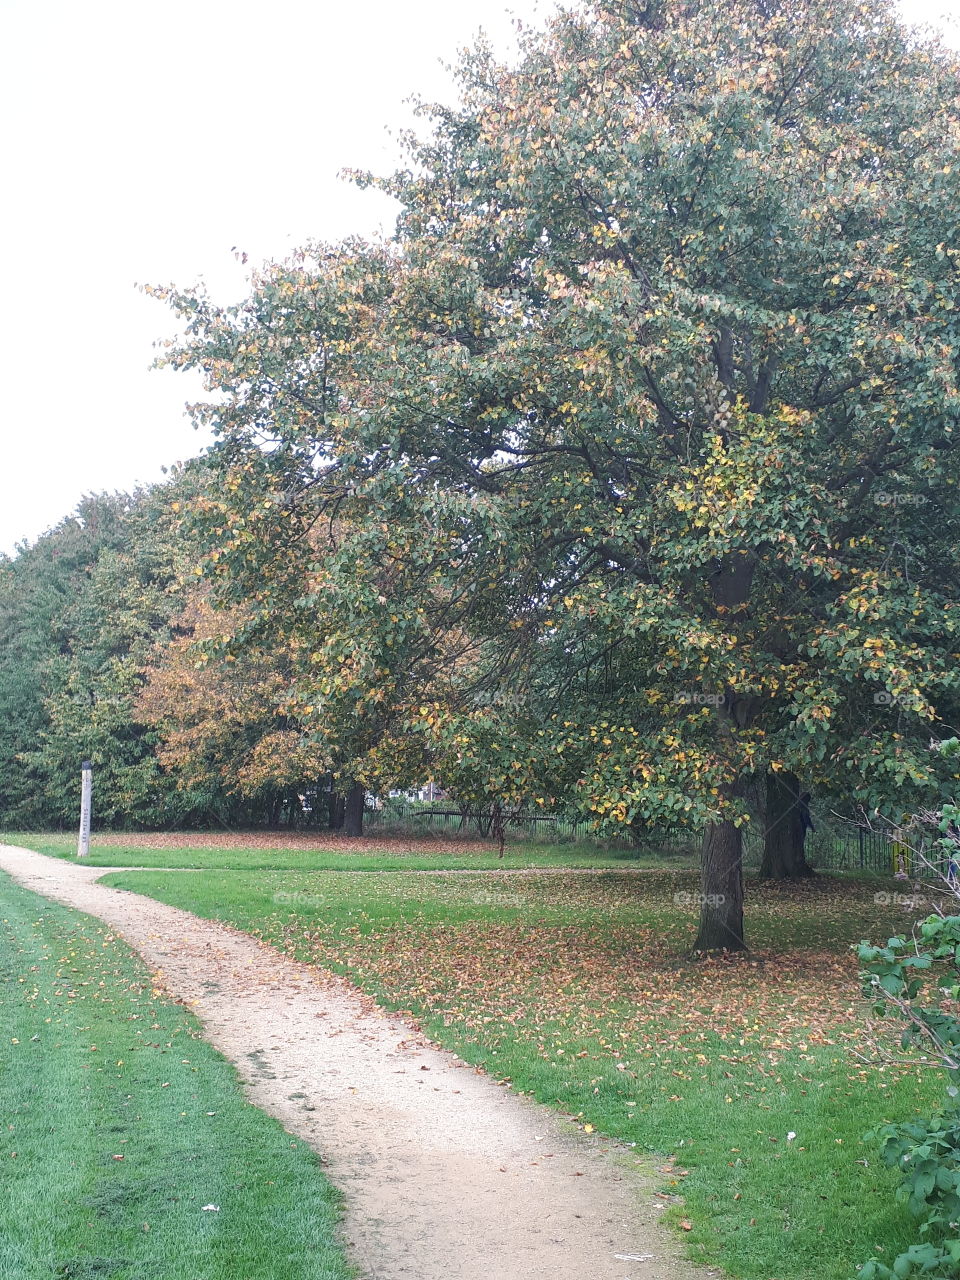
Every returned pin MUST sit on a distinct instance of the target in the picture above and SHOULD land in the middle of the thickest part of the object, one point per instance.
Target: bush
(918, 981)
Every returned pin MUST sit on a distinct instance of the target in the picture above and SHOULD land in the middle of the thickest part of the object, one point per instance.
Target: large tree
(659, 377)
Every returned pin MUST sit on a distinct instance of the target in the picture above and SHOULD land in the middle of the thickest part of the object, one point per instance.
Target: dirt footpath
(447, 1176)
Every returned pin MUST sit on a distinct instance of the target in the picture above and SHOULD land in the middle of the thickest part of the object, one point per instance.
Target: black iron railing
(846, 847)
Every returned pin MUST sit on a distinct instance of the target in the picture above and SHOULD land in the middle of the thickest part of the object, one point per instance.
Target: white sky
(141, 142)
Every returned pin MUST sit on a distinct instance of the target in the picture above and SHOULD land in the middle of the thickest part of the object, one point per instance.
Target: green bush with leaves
(917, 979)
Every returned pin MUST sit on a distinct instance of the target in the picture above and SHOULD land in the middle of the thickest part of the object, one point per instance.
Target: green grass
(515, 857)
(577, 990)
(120, 1124)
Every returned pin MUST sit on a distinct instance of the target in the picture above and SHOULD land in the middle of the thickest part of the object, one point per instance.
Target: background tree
(326, 614)
(222, 734)
(109, 623)
(39, 590)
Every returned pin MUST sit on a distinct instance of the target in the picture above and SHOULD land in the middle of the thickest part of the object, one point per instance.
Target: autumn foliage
(652, 399)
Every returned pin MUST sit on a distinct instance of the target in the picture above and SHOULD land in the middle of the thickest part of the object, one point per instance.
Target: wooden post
(86, 798)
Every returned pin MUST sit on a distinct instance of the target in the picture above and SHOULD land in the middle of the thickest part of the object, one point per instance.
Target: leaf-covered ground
(742, 1074)
(302, 841)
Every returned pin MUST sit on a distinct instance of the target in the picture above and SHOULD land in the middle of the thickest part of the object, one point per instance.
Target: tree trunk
(276, 808)
(336, 809)
(785, 829)
(353, 810)
(721, 906)
(721, 860)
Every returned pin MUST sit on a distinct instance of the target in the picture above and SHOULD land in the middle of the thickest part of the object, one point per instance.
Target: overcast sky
(141, 142)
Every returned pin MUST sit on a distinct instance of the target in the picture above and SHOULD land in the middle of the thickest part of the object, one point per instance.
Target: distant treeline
(97, 622)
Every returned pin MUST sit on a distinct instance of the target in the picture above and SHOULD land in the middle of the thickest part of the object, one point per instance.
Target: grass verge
(414, 854)
(740, 1074)
(120, 1125)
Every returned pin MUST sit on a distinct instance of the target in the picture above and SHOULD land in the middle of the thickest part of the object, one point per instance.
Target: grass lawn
(120, 1125)
(576, 989)
(378, 853)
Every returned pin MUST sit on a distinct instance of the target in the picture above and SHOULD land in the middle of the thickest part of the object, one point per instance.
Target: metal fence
(845, 847)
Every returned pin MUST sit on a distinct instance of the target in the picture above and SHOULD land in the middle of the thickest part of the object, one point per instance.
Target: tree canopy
(651, 403)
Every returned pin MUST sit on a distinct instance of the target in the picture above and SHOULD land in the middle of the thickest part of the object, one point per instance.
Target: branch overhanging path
(444, 1173)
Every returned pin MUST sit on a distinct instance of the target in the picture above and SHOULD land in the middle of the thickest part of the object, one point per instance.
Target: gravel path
(447, 1176)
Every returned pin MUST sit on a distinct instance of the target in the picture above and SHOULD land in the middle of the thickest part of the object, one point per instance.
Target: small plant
(918, 981)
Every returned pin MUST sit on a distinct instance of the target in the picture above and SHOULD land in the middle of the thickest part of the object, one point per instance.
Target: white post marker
(86, 798)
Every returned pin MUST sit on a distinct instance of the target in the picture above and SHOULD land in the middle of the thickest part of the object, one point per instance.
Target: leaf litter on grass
(623, 962)
(579, 988)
